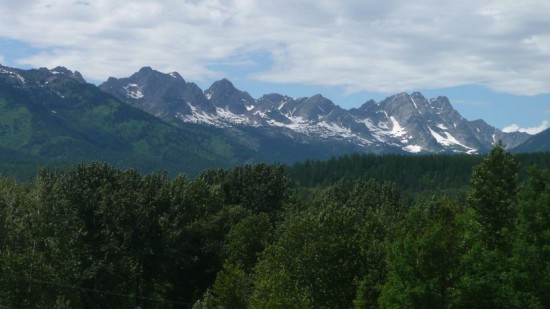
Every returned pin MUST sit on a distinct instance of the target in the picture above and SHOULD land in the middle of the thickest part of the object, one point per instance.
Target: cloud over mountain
(362, 46)
(532, 130)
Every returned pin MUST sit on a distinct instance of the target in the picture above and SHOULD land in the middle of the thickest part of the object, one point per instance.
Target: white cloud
(533, 130)
(389, 46)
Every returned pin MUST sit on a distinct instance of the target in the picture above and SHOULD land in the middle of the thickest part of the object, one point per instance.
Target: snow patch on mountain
(397, 130)
(335, 129)
(13, 74)
(410, 123)
(378, 134)
(133, 91)
(449, 140)
(383, 125)
(198, 116)
(297, 123)
(443, 127)
(414, 103)
(278, 124)
(231, 117)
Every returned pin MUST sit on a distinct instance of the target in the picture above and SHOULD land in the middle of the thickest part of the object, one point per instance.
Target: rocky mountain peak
(13, 75)
(366, 107)
(223, 94)
(68, 73)
(147, 75)
(221, 88)
(313, 108)
(175, 75)
(401, 122)
(272, 99)
(163, 95)
(146, 70)
(441, 104)
(403, 106)
(223, 83)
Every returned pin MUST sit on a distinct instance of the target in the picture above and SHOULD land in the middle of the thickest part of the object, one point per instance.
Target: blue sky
(490, 57)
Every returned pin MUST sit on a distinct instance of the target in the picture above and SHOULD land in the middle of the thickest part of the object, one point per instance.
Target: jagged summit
(401, 122)
(41, 76)
(65, 117)
(146, 69)
(68, 73)
(223, 83)
(163, 95)
(225, 96)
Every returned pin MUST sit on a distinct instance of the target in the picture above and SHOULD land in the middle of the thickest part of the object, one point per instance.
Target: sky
(491, 58)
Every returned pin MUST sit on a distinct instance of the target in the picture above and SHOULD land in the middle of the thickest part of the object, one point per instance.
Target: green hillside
(68, 121)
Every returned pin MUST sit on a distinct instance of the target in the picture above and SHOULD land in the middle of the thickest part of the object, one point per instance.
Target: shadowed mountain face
(162, 95)
(54, 116)
(400, 123)
(536, 143)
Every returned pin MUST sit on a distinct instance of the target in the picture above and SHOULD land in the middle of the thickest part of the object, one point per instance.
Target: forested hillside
(94, 236)
(414, 175)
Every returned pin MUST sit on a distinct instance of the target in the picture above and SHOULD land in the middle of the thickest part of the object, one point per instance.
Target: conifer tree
(495, 184)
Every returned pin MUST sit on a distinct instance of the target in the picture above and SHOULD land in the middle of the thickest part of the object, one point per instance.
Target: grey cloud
(393, 45)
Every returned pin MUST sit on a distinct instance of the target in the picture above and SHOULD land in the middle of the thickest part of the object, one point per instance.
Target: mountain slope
(163, 95)
(55, 114)
(235, 113)
(156, 121)
(433, 125)
(400, 123)
(537, 143)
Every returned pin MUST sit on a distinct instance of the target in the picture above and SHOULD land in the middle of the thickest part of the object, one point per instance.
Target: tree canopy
(95, 236)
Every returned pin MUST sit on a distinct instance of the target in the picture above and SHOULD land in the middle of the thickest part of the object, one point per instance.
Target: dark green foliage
(495, 184)
(316, 258)
(532, 246)
(247, 239)
(416, 176)
(430, 172)
(69, 122)
(94, 236)
(424, 261)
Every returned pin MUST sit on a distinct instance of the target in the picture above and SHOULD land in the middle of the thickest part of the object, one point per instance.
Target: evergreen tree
(495, 185)
(487, 282)
(532, 245)
(424, 260)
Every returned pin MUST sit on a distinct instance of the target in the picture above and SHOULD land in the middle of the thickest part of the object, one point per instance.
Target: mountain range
(400, 123)
(153, 120)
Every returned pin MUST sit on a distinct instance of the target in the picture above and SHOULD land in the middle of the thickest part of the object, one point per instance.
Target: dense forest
(268, 236)
(414, 175)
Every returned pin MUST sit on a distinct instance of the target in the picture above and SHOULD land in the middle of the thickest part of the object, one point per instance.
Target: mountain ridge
(402, 122)
(55, 116)
(537, 143)
(156, 121)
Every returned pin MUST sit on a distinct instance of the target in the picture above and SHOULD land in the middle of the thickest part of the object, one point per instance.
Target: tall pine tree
(495, 185)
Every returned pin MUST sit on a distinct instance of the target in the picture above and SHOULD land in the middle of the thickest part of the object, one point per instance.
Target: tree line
(415, 175)
(94, 236)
